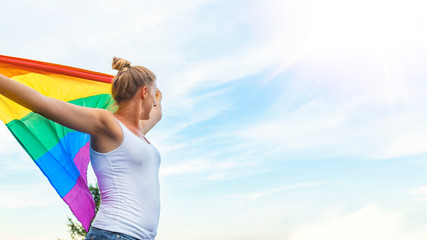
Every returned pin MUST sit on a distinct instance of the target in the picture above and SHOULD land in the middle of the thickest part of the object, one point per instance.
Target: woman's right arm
(83, 119)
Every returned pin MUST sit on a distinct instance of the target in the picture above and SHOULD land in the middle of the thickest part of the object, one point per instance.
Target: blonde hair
(129, 79)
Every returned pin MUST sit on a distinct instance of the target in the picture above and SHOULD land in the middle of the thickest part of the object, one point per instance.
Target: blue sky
(286, 120)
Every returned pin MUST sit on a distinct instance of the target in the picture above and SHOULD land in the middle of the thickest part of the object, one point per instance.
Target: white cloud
(405, 144)
(420, 192)
(369, 223)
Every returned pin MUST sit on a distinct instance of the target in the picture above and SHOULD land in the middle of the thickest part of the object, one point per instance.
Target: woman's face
(149, 102)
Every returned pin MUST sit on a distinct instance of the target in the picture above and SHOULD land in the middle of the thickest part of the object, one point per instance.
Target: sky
(282, 119)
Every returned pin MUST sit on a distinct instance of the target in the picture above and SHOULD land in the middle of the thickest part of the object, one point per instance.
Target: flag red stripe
(57, 68)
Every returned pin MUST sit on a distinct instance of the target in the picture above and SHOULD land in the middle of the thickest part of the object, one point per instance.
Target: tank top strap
(125, 129)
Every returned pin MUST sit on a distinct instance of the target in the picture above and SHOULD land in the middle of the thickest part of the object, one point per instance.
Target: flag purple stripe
(81, 203)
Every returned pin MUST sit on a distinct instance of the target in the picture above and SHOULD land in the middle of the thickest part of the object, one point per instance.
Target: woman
(125, 162)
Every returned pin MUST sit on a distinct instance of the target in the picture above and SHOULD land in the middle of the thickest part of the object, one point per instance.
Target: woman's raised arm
(83, 119)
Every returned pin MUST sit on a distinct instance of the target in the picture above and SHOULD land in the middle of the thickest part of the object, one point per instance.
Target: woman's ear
(144, 92)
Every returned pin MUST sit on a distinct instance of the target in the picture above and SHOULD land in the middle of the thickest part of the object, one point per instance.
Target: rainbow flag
(62, 154)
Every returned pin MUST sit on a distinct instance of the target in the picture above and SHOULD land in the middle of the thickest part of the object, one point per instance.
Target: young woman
(126, 164)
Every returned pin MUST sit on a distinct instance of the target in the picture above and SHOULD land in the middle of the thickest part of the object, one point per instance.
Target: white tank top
(128, 179)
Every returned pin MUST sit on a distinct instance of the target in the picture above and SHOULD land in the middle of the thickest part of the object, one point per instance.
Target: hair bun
(120, 63)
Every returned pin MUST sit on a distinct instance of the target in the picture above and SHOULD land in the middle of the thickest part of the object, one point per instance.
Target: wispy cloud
(351, 127)
(23, 196)
(197, 166)
(254, 196)
(13, 157)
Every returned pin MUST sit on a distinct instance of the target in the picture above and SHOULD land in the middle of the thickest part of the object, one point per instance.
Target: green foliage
(76, 230)
(96, 196)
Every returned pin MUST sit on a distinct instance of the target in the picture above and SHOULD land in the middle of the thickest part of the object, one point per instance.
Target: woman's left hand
(158, 96)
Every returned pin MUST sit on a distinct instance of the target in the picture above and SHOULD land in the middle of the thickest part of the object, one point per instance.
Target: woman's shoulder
(109, 136)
